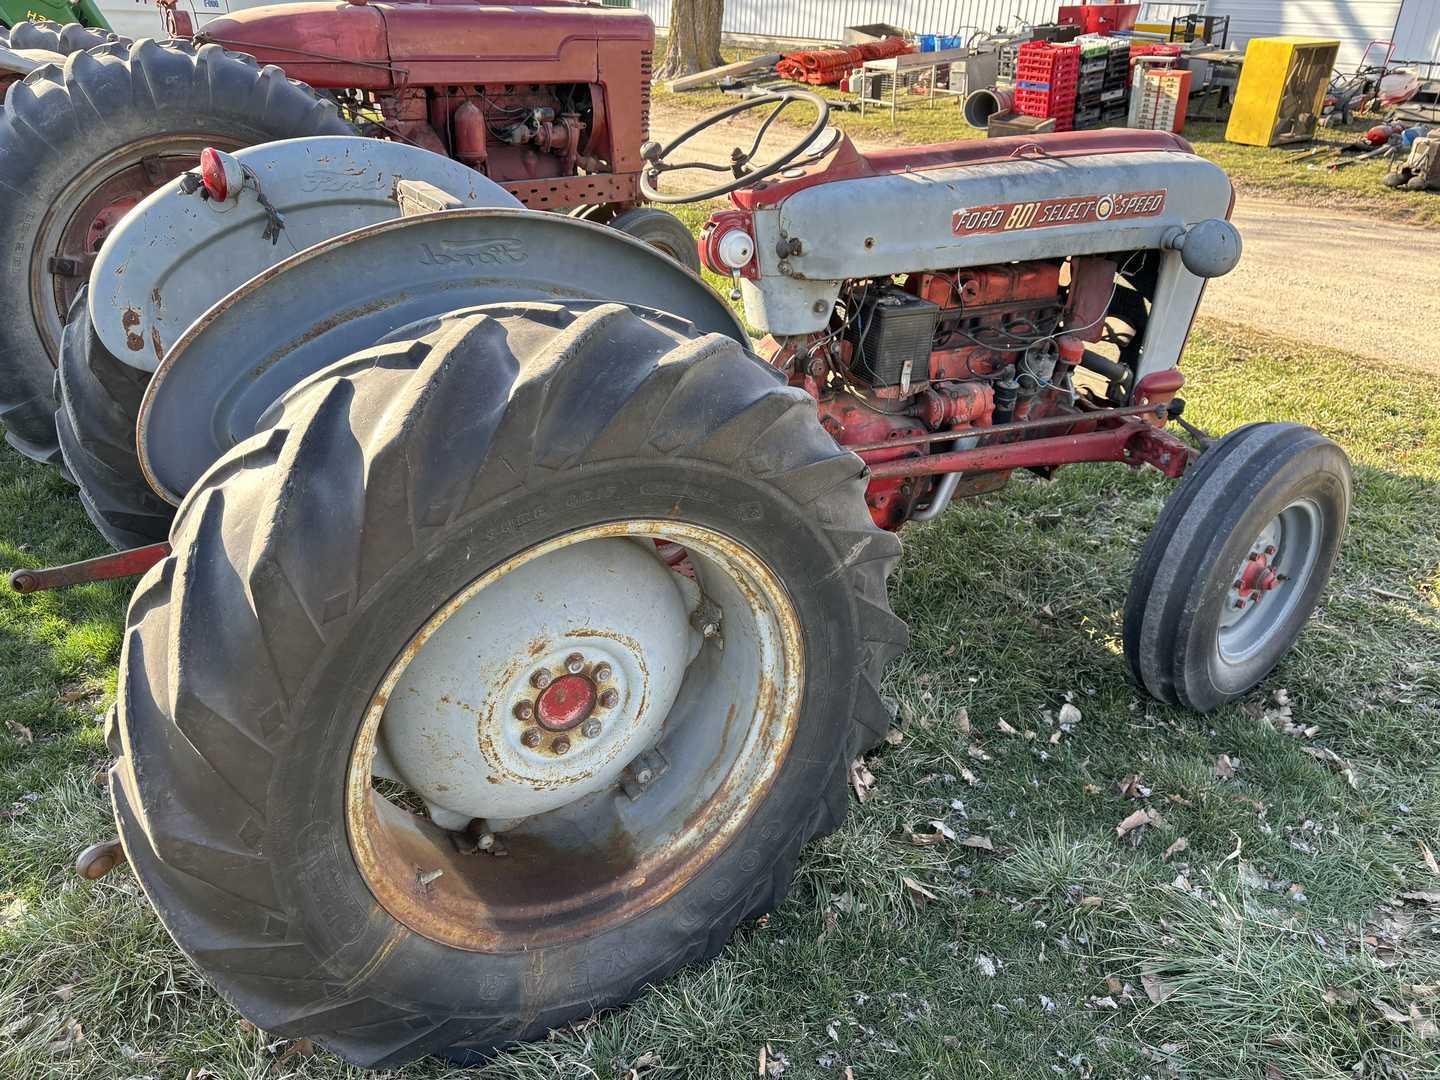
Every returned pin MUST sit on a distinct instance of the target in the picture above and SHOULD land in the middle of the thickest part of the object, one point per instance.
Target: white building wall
(1413, 24)
(1417, 34)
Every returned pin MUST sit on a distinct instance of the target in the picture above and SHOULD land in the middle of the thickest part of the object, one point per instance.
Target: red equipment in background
(550, 99)
(825, 67)
(1099, 18)
(1046, 79)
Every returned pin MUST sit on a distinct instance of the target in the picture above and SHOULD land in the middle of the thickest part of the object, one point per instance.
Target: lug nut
(1239, 603)
(610, 698)
(541, 679)
(531, 738)
(602, 672)
(524, 710)
(590, 728)
(561, 745)
(1270, 550)
(710, 629)
(644, 776)
(575, 663)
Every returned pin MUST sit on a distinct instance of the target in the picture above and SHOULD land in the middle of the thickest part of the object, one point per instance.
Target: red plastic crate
(1041, 61)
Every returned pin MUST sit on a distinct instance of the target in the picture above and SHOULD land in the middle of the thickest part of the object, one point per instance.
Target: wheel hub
(1260, 594)
(529, 696)
(566, 703)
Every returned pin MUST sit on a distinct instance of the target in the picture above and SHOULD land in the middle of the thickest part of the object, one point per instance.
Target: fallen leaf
(299, 1048)
(1273, 1072)
(918, 889)
(1389, 1012)
(78, 693)
(940, 832)
(1132, 787)
(849, 1072)
(1135, 820)
(23, 734)
(832, 921)
(1091, 789)
(1156, 988)
(962, 721)
(978, 754)
(1421, 896)
(986, 965)
(968, 776)
(71, 1034)
(1250, 877)
(1336, 996)
(1225, 767)
(1175, 848)
(65, 992)
(1069, 715)
(1106, 1002)
(1336, 763)
(1005, 729)
(1429, 857)
(981, 843)
(1090, 903)
(862, 780)
(894, 736)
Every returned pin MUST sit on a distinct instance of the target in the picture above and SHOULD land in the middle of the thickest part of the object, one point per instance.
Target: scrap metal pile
(827, 67)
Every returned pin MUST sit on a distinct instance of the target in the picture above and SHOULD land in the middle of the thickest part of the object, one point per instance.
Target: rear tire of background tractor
(1236, 563)
(57, 38)
(77, 147)
(99, 401)
(663, 231)
(316, 556)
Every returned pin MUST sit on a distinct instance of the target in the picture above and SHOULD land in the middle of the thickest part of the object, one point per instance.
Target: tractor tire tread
(392, 435)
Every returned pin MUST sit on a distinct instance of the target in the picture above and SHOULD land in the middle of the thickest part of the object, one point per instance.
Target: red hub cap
(565, 703)
(1256, 578)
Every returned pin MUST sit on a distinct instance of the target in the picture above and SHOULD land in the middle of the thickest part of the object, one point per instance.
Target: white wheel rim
(449, 722)
(1270, 581)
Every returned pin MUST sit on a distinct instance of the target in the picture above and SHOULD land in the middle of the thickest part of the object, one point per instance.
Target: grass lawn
(1279, 920)
(1260, 170)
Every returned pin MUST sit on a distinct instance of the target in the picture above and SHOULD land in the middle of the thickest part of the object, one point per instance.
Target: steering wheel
(741, 165)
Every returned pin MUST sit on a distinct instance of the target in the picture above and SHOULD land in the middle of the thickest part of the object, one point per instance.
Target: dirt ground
(1324, 277)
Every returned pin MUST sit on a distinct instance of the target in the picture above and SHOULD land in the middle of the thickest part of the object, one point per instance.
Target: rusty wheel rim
(85, 212)
(625, 781)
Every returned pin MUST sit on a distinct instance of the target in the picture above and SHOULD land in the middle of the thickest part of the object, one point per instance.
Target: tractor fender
(180, 250)
(348, 292)
(23, 61)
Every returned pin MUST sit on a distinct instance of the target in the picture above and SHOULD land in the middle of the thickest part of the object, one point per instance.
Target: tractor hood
(382, 46)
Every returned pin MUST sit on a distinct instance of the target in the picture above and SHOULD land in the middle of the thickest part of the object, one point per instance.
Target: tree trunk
(694, 39)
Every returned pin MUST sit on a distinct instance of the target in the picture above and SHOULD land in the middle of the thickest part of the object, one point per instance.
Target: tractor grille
(646, 63)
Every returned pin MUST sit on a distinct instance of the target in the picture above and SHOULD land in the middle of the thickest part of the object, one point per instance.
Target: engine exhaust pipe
(982, 104)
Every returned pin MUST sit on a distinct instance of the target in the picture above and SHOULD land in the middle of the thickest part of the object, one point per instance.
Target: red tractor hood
(423, 42)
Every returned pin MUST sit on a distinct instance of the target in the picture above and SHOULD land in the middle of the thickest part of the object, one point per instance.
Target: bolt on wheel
(1271, 581)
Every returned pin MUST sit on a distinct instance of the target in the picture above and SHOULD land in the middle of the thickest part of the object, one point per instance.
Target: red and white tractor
(518, 622)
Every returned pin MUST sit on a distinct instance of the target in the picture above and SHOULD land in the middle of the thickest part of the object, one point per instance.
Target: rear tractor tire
(678, 602)
(95, 421)
(1236, 564)
(62, 38)
(78, 148)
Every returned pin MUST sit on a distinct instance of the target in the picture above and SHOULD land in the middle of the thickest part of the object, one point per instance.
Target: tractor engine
(956, 350)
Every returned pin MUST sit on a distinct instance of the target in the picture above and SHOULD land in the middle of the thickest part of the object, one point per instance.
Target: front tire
(1236, 564)
(661, 230)
(392, 490)
(78, 147)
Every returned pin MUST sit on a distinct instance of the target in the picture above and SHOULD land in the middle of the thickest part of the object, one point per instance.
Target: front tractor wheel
(1236, 564)
(502, 674)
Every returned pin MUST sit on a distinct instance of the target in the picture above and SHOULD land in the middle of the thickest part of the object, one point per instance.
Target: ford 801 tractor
(519, 619)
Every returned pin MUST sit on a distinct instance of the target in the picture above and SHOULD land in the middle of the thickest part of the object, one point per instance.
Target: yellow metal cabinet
(1282, 88)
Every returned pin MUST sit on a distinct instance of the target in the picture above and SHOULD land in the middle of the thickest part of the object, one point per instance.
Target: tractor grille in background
(647, 62)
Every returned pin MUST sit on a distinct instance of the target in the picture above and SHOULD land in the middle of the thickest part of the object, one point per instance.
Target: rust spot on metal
(155, 343)
(130, 318)
(134, 342)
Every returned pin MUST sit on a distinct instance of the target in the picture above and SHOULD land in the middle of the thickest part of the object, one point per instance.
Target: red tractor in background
(550, 99)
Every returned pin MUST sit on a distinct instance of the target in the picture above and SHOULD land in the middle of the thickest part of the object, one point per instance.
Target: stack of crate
(1007, 56)
(1046, 77)
(1100, 97)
